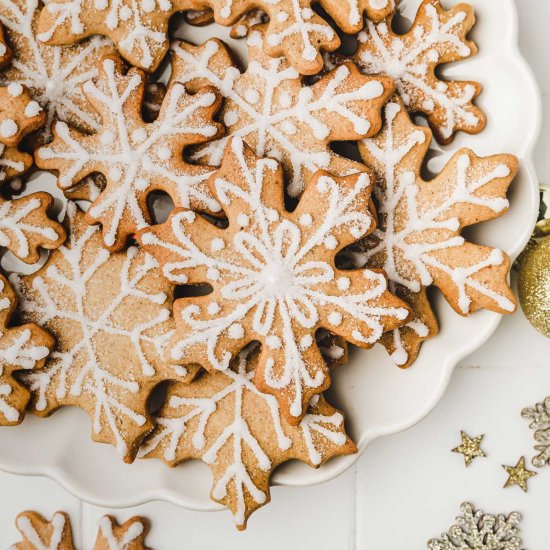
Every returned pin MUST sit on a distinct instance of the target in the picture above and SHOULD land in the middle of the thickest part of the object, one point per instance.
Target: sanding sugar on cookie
(135, 157)
(111, 317)
(437, 36)
(22, 348)
(225, 421)
(40, 534)
(53, 75)
(273, 276)
(418, 241)
(272, 109)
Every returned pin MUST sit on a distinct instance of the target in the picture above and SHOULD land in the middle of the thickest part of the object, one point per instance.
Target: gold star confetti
(518, 474)
(470, 448)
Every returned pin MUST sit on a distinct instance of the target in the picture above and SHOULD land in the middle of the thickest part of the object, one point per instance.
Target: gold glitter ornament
(518, 475)
(534, 282)
(470, 447)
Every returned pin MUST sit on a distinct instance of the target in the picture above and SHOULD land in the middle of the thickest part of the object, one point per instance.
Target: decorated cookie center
(276, 278)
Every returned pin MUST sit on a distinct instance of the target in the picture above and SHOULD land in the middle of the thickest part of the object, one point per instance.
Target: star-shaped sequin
(518, 475)
(470, 447)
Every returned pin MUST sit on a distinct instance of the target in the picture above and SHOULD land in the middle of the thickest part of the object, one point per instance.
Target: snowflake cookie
(25, 226)
(22, 348)
(271, 108)
(476, 530)
(224, 420)
(273, 276)
(111, 317)
(418, 241)
(539, 415)
(40, 534)
(437, 36)
(128, 536)
(135, 157)
(53, 75)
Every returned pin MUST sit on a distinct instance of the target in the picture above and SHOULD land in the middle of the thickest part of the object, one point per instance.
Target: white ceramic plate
(378, 398)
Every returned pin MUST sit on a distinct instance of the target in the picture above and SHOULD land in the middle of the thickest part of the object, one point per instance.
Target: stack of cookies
(280, 248)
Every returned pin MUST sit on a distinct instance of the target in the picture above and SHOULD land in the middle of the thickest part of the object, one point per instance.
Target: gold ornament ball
(534, 285)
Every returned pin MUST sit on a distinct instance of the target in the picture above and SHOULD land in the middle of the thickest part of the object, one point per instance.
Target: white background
(406, 488)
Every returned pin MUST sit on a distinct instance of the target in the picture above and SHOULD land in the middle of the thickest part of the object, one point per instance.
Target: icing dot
(331, 242)
(164, 153)
(141, 184)
(335, 318)
(139, 135)
(285, 100)
(305, 342)
(243, 220)
(101, 4)
(213, 274)
(213, 308)
(115, 174)
(8, 128)
(307, 13)
(3, 49)
(231, 118)
(217, 244)
(306, 220)
(107, 138)
(289, 128)
(272, 215)
(343, 283)
(282, 16)
(15, 89)
(32, 109)
(274, 342)
(252, 96)
(125, 13)
(236, 331)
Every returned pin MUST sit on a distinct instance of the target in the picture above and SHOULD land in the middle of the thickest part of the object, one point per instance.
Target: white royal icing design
(132, 534)
(269, 126)
(411, 62)
(314, 431)
(12, 162)
(272, 277)
(60, 296)
(132, 19)
(413, 239)
(16, 350)
(132, 154)
(27, 529)
(53, 77)
(17, 227)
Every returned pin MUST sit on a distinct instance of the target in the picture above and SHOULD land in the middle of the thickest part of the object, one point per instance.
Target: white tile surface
(406, 488)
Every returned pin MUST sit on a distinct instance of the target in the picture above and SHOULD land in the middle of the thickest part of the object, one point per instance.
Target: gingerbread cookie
(437, 36)
(53, 75)
(224, 420)
(22, 348)
(111, 317)
(271, 108)
(41, 534)
(273, 276)
(418, 241)
(129, 536)
(135, 157)
(25, 226)
(348, 14)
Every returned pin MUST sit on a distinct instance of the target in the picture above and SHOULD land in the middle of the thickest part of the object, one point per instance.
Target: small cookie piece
(22, 348)
(271, 108)
(224, 420)
(437, 36)
(418, 241)
(19, 114)
(348, 14)
(41, 534)
(128, 536)
(25, 226)
(111, 317)
(135, 157)
(273, 276)
(53, 75)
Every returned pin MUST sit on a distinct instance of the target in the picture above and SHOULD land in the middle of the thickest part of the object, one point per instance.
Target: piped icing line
(81, 371)
(247, 436)
(418, 241)
(135, 157)
(436, 37)
(273, 276)
(40, 534)
(271, 108)
(128, 536)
